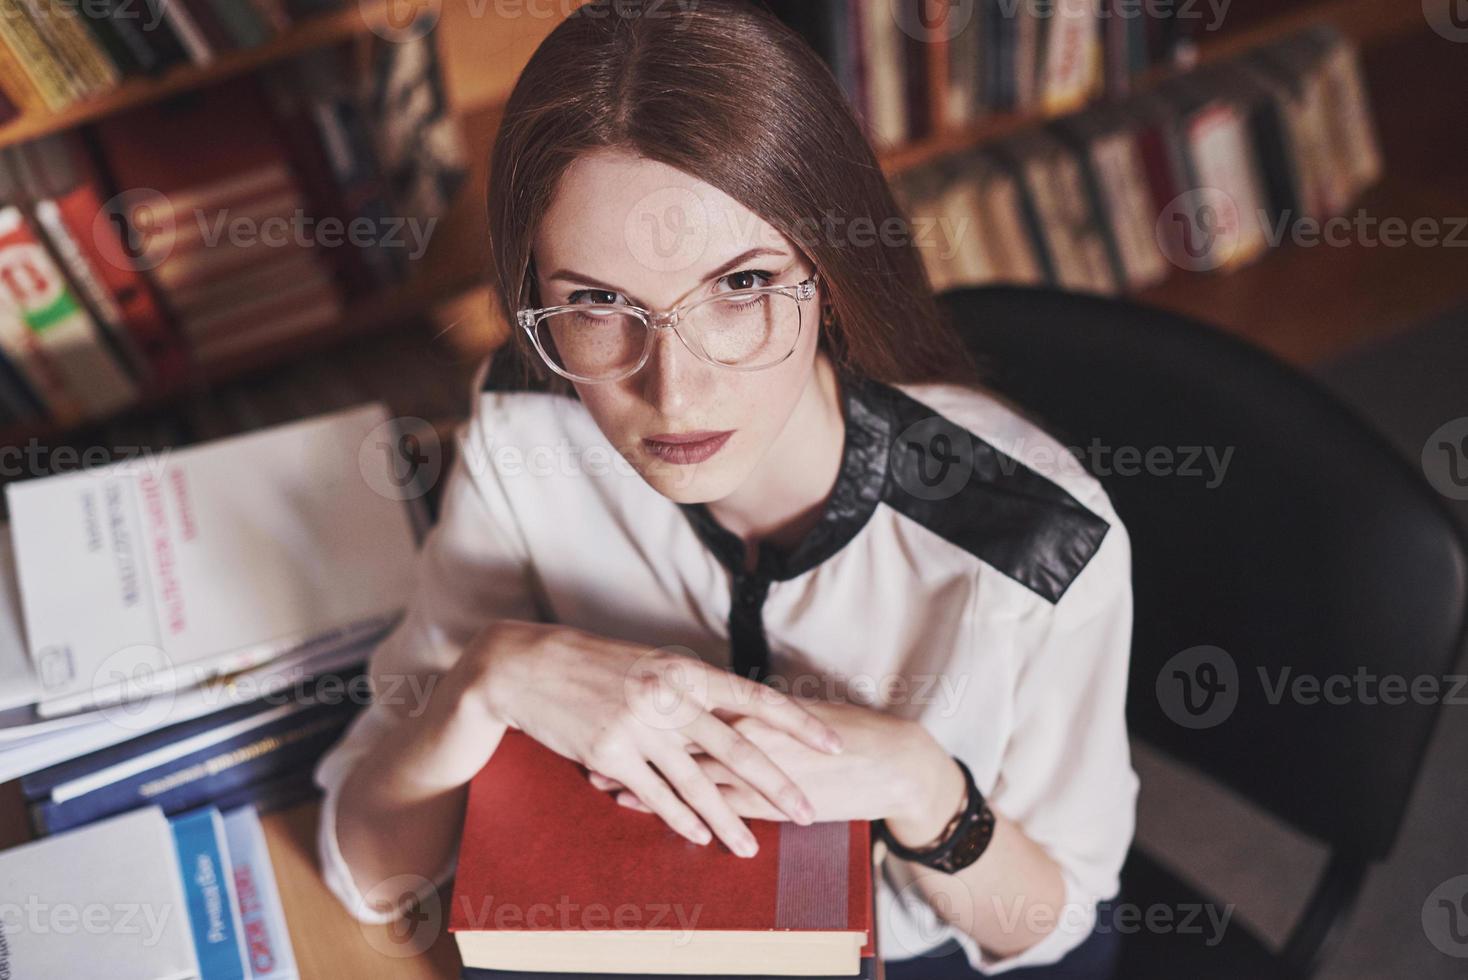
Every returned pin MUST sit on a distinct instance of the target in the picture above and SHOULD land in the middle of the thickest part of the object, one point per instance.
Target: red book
(555, 876)
(69, 205)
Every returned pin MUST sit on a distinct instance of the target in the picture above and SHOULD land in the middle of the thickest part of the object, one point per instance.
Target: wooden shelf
(1310, 304)
(317, 32)
(453, 265)
(1368, 22)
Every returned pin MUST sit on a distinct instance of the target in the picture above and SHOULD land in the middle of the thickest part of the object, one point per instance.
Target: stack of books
(146, 897)
(1205, 173)
(54, 53)
(230, 240)
(913, 68)
(555, 879)
(189, 627)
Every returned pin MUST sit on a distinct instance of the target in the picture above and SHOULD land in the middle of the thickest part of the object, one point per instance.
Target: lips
(686, 447)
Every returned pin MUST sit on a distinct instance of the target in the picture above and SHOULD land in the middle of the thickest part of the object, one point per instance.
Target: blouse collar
(860, 485)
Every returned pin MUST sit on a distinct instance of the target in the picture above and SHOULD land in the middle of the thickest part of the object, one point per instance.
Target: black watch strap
(966, 839)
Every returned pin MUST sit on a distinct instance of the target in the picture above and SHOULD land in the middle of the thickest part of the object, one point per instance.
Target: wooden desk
(328, 942)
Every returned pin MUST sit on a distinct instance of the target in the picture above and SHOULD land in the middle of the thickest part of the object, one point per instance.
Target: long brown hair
(723, 90)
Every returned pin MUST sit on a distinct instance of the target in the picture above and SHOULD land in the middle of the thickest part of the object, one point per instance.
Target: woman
(735, 451)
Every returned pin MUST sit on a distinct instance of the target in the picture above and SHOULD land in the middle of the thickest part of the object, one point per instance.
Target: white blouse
(966, 572)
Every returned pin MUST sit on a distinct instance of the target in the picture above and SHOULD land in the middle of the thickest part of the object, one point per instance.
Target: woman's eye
(597, 297)
(747, 279)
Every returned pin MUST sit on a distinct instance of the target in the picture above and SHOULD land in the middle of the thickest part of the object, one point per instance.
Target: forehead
(648, 228)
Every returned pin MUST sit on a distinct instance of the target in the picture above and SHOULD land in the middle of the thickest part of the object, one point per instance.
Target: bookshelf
(1303, 304)
(1367, 22)
(1308, 304)
(317, 32)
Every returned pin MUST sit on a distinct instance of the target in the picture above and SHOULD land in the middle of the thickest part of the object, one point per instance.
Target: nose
(673, 378)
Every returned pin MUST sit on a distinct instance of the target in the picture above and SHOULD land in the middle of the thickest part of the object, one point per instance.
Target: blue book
(209, 894)
(41, 784)
(252, 751)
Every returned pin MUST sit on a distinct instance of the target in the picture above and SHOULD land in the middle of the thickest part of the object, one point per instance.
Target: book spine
(206, 776)
(90, 375)
(79, 84)
(1070, 62)
(42, 784)
(267, 939)
(93, 68)
(97, 22)
(190, 34)
(19, 88)
(20, 35)
(94, 296)
(138, 309)
(142, 26)
(213, 905)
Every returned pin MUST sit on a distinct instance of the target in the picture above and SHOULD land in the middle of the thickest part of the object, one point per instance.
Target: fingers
(752, 766)
(745, 802)
(660, 799)
(687, 777)
(631, 802)
(774, 708)
(602, 782)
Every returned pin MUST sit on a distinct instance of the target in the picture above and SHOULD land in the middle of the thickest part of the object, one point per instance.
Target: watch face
(972, 843)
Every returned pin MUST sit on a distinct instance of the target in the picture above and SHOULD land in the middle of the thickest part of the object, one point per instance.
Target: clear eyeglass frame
(529, 320)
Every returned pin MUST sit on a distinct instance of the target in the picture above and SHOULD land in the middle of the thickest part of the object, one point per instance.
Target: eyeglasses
(744, 330)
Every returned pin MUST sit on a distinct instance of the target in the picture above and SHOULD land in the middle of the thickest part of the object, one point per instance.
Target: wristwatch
(963, 840)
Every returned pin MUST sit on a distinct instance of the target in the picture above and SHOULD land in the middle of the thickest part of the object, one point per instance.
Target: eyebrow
(568, 275)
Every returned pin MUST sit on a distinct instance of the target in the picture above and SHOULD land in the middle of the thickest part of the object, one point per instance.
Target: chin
(694, 484)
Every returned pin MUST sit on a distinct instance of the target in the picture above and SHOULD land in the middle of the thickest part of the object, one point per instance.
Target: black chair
(1321, 550)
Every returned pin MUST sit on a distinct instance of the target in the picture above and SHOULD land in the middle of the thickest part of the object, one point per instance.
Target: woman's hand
(890, 769)
(640, 715)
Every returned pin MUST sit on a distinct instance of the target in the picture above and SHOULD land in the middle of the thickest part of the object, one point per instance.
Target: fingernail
(747, 847)
(702, 836)
(806, 812)
(833, 742)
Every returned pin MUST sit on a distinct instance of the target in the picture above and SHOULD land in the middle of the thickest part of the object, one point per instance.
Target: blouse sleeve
(473, 567)
(1066, 776)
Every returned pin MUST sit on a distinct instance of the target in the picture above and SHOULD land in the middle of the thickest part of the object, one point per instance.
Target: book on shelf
(632, 896)
(915, 68)
(215, 216)
(1204, 171)
(46, 331)
(211, 559)
(64, 193)
(54, 53)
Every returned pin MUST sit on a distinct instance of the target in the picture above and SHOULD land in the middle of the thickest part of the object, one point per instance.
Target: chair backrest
(1278, 582)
